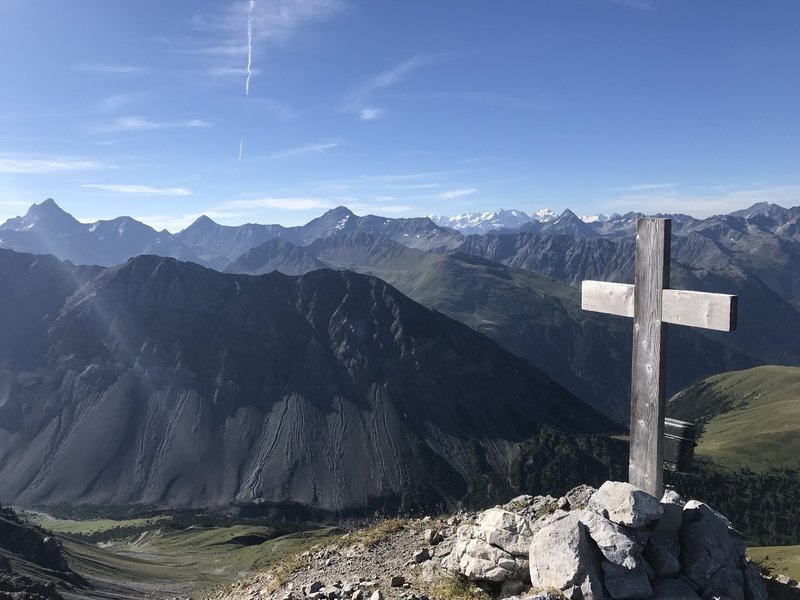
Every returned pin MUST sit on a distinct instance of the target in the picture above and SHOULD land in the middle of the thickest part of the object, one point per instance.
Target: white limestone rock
(578, 497)
(479, 561)
(504, 529)
(563, 557)
(616, 544)
(625, 504)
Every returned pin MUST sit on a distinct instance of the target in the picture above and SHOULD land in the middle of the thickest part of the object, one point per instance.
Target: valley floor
(163, 563)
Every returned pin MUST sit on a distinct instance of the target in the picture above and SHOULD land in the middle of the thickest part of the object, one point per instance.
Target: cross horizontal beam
(679, 307)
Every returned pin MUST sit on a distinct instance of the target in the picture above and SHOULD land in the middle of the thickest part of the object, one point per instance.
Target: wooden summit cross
(652, 305)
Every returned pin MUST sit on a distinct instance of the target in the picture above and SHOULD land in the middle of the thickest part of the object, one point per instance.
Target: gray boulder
(624, 584)
(563, 557)
(505, 530)
(673, 589)
(494, 548)
(664, 552)
(479, 561)
(614, 542)
(578, 497)
(625, 504)
(713, 552)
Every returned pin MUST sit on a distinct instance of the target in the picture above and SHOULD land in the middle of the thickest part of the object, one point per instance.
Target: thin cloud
(493, 99)
(359, 100)
(702, 203)
(135, 123)
(269, 22)
(32, 165)
(229, 71)
(175, 223)
(370, 114)
(637, 4)
(307, 149)
(457, 193)
(116, 102)
(414, 186)
(279, 110)
(281, 203)
(14, 203)
(644, 187)
(391, 209)
(110, 69)
(143, 190)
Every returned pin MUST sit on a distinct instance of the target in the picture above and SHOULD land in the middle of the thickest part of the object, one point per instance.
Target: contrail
(249, 48)
(249, 61)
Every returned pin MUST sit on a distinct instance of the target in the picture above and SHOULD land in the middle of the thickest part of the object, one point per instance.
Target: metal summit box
(680, 438)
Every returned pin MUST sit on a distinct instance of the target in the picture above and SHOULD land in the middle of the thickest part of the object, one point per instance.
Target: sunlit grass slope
(780, 559)
(751, 417)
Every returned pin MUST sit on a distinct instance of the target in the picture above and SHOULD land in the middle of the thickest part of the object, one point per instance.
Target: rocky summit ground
(395, 558)
(616, 542)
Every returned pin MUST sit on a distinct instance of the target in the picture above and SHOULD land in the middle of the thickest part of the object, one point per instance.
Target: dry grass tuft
(456, 587)
(371, 536)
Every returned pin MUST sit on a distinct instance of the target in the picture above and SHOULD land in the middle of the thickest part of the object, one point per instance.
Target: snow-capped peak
(598, 218)
(544, 215)
(475, 222)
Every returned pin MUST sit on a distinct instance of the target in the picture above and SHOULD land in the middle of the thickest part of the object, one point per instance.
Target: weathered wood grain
(679, 307)
(652, 305)
(606, 297)
(649, 357)
(700, 309)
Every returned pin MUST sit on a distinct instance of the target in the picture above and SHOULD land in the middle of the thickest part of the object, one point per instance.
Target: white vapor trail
(249, 48)
(249, 61)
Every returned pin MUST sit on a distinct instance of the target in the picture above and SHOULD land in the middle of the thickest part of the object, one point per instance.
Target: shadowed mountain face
(163, 382)
(769, 321)
(531, 315)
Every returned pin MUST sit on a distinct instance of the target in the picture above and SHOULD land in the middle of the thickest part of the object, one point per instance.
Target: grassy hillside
(751, 418)
(779, 559)
(161, 562)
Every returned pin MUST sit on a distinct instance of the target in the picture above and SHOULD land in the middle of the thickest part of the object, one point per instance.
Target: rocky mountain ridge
(47, 229)
(164, 382)
(532, 316)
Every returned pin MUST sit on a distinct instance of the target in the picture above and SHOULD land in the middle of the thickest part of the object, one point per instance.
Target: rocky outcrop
(30, 543)
(615, 543)
(602, 551)
(575, 552)
(494, 548)
(32, 562)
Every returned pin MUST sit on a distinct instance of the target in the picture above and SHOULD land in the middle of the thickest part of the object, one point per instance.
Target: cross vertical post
(648, 382)
(652, 305)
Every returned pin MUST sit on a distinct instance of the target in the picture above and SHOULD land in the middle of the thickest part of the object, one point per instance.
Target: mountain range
(163, 382)
(752, 253)
(314, 343)
(533, 316)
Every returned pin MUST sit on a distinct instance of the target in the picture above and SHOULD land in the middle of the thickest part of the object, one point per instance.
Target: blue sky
(396, 108)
